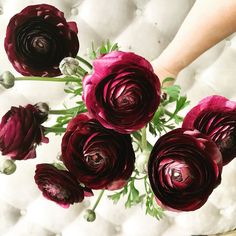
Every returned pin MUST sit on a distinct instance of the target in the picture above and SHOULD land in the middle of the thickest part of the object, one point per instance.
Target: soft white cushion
(145, 27)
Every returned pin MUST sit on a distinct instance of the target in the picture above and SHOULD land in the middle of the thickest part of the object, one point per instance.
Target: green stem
(138, 137)
(81, 72)
(144, 138)
(46, 79)
(54, 129)
(168, 113)
(69, 111)
(171, 115)
(98, 200)
(85, 62)
(60, 112)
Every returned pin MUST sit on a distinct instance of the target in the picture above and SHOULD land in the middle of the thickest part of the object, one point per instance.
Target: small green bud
(141, 162)
(59, 166)
(69, 66)
(43, 110)
(8, 167)
(7, 79)
(90, 215)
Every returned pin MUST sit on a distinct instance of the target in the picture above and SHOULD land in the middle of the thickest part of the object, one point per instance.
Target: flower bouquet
(119, 104)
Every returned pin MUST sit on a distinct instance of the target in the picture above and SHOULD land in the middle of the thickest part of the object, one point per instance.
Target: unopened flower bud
(141, 162)
(8, 167)
(69, 66)
(43, 110)
(90, 215)
(7, 79)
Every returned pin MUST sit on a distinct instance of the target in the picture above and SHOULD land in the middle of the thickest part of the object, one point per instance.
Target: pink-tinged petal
(21, 132)
(215, 116)
(122, 93)
(57, 185)
(184, 168)
(73, 26)
(118, 184)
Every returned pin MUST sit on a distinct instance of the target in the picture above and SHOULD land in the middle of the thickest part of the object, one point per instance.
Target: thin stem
(98, 200)
(46, 79)
(60, 112)
(85, 62)
(144, 138)
(138, 137)
(55, 129)
(168, 113)
(70, 111)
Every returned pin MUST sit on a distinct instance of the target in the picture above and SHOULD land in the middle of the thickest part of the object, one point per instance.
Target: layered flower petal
(98, 157)
(123, 92)
(21, 132)
(38, 38)
(184, 168)
(59, 186)
(215, 116)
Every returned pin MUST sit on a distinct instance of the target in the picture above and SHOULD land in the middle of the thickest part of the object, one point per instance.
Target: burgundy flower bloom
(21, 132)
(38, 38)
(59, 186)
(184, 168)
(123, 92)
(98, 157)
(215, 116)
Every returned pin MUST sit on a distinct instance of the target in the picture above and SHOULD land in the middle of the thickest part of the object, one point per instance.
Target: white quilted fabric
(145, 27)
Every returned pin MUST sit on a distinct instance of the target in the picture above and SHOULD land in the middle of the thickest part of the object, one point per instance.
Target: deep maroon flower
(38, 38)
(21, 132)
(215, 116)
(100, 158)
(184, 168)
(123, 92)
(59, 186)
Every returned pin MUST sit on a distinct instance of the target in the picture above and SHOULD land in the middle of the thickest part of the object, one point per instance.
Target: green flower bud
(43, 110)
(7, 79)
(90, 215)
(141, 162)
(69, 66)
(8, 167)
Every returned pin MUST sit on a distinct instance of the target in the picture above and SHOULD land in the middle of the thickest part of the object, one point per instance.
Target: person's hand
(163, 72)
(208, 22)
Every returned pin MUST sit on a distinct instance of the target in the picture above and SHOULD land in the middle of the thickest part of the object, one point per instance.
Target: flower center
(56, 191)
(94, 159)
(40, 44)
(177, 174)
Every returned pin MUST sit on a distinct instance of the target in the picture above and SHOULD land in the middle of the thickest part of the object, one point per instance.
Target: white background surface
(145, 27)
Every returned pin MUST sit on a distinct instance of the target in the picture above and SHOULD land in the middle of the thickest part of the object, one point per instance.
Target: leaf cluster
(106, 47)
(164, 120)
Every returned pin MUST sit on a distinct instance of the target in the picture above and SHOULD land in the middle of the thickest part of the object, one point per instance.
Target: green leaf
(103, 49)
(168, 79)
(115, 197)
(182, 103)
(114, 47)
(160, 112)
(173, 91)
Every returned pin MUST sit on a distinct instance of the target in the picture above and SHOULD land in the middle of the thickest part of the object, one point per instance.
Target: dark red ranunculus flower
(21, 132)
(100, 158)
(184, 168)
(123, 92)
(59, 186)
(38, 38)
(215, 116)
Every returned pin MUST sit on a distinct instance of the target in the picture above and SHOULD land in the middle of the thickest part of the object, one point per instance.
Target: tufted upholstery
(145, 27)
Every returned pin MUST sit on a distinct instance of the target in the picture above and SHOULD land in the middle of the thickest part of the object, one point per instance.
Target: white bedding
(145, 27)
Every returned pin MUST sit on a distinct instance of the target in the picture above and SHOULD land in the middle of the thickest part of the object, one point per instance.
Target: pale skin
(208, 22)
